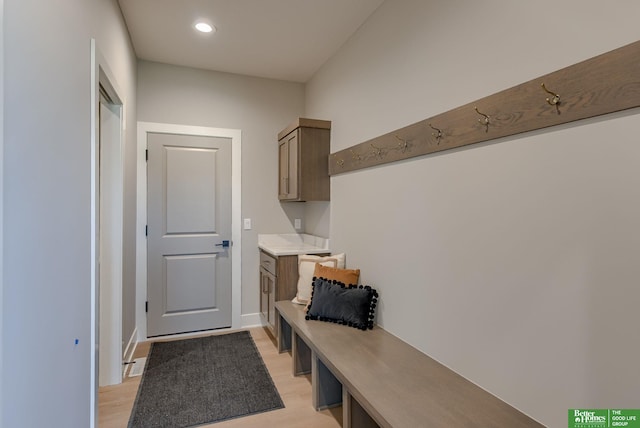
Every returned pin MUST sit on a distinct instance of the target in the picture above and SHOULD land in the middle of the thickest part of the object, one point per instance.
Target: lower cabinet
(278, 281)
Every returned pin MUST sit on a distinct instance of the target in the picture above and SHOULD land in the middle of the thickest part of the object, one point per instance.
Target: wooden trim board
(603, 84)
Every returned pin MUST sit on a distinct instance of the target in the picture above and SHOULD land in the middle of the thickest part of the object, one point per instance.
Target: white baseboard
(129, 351)
(252, 320)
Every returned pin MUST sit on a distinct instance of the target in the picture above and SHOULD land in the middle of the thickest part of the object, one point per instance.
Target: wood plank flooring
(115, 402)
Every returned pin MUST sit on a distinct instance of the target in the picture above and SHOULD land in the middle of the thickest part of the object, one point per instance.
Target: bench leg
(301, 355)
(326, 390)
(346, 408)
(284, 335)
(353, 415)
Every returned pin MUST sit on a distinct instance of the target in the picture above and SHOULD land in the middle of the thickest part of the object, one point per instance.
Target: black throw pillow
(351, 305)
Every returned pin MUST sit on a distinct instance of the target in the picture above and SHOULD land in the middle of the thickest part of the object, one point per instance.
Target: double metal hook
(438, 135)
(377, 151)
(553, 101)
(403, 145)
(485, 121)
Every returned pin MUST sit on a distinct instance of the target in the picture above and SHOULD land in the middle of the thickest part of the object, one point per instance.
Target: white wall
(514, 262)
(316, 218)
(46, 279)
(260, 108)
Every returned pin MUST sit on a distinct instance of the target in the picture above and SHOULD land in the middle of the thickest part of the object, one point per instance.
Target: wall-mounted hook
(354, 155)
(403, 144)
(485, 121)
(377, 151)
(438, 135)
(554, 101)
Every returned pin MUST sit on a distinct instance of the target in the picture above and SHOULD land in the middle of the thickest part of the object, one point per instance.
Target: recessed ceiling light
(203, 27)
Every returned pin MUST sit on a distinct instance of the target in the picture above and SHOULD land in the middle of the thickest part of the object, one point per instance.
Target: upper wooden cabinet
(304, 161)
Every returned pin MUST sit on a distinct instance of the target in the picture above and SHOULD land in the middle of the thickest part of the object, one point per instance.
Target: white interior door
(189, 220)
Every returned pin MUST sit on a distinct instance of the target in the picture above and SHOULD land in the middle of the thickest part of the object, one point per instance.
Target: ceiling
(278, 39)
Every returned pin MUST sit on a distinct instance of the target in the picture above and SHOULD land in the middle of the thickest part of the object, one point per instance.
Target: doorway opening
(107, 199)
(110, 235)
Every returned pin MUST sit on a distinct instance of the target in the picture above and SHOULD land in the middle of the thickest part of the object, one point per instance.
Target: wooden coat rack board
(604, 84)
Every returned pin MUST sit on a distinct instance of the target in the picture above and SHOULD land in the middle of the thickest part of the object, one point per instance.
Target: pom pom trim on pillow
(333, 301)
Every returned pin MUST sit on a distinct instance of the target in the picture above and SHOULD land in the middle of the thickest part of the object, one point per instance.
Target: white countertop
(289, 244)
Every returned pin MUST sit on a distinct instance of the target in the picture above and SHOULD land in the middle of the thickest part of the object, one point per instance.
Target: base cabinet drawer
(268, 262)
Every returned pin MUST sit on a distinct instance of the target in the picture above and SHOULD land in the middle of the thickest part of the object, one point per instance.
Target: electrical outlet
(247, 224)
(297, 224)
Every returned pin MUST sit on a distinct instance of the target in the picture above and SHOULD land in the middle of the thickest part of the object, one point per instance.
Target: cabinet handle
(265, 285)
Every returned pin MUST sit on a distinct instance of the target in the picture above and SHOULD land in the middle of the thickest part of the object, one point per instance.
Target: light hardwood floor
(115, 402)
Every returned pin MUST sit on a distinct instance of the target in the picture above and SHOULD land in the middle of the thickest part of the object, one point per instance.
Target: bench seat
(382, 381)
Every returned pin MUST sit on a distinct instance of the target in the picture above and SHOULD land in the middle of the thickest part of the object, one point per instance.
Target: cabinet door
(264, 293)
(283, 169)
(272, 301)
(293, 165)
(267, 297)
(288, 167)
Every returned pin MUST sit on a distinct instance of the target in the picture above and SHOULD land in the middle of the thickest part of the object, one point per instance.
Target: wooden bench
(382, 381)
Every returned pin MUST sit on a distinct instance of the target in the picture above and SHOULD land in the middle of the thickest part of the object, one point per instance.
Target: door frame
(236, 215)
(101, 76)
(1, 195)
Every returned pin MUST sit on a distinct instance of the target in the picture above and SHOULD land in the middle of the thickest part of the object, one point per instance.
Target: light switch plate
(297, 224)
(247, 224)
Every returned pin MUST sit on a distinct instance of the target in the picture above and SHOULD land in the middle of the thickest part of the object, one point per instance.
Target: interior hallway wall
(46, 378)
(260, 108)
(514, 262)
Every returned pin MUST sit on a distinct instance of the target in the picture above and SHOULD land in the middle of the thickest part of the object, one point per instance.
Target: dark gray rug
(203, 380)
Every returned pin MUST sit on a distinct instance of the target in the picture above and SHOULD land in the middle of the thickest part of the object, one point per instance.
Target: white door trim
(236, 215)
(101, 75)
(1, 194)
